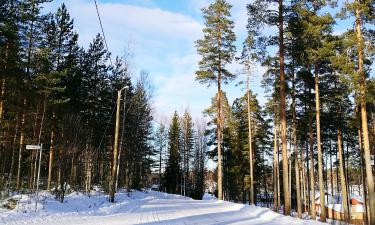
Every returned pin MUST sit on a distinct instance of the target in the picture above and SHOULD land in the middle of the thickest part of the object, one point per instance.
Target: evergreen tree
(363, 12)
(260, 15)
(186, 154)
(217, 50)
(172, 171)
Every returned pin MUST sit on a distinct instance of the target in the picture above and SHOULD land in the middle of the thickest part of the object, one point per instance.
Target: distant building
(335, 211)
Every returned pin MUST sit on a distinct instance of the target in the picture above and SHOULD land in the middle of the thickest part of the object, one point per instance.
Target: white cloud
(163, 45)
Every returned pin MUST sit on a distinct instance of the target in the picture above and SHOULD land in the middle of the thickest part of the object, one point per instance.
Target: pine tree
(363, 12)
(186, 150)
(172, 171)
(260, 14)
(217, 50)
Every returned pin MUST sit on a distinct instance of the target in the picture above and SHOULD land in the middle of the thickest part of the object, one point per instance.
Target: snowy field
(142, 208)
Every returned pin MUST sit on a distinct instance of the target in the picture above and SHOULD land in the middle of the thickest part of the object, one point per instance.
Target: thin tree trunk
(278, 171)
(303, 179)
(3, 85)
(59, 177)
(22, 137)
(40, 136)
(312, 178)
(282, 112)
(51, 150)
(366, 144)
(365, 215)
(331, 165)
(331, 173)
(13, 152)
(337, 173)
(290, 169)
(307, 131)
(320, 155)
(295, 146)
(3, 81)
(219, 156)
(250, 139)
(275, 170)
(342, 176)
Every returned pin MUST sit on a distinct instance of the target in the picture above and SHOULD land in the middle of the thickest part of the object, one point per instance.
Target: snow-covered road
(143, 208)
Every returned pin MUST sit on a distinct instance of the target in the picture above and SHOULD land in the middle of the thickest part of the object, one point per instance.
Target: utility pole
(121, 140)
(115, 147)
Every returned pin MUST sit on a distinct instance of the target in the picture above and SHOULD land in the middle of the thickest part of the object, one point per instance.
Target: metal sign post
(37, 147)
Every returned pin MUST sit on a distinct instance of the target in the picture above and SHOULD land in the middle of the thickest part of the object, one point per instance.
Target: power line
(101, 26)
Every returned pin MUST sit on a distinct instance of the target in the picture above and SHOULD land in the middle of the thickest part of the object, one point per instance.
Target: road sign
(32, 147)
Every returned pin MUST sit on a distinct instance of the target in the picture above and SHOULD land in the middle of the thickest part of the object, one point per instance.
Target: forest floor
(141, 208)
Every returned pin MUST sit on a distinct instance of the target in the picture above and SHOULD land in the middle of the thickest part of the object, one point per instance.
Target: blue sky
(160, 36)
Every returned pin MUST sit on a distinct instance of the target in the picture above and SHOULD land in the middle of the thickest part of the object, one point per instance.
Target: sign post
(37, 147)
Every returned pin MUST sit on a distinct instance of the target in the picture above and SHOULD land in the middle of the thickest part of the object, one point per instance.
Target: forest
(310, 145)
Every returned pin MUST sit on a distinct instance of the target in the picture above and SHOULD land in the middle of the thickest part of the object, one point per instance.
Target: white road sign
(32, 146)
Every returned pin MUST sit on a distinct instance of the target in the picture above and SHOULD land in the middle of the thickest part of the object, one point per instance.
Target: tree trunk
(295, 146)
(275, 170)
(51, 150)
(312, 178)
(365, 215)
(219, 157)
(3, 81)
(13, 153)
(278, 170)
(342, 176)
(22, 137)
(303, 179)
(59, 177)
(250, 140)
(320, 156)
(282, 112)
(366, 144)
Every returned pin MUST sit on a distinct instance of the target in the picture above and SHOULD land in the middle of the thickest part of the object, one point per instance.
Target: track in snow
(144, 208)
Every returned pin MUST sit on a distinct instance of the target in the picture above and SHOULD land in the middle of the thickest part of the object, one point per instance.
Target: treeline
(56, 93)
(316, 131)
(182, 152)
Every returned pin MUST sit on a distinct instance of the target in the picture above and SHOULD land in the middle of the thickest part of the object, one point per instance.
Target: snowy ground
(142, 208)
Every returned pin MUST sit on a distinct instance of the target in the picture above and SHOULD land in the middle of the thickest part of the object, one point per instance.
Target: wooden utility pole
(115, 150)
(112, 188)
(121, 142)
